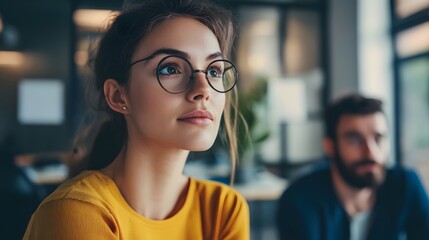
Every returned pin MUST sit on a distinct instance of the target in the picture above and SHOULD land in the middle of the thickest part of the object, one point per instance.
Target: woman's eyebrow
(215, 55)
(168, 51)
(172, 51)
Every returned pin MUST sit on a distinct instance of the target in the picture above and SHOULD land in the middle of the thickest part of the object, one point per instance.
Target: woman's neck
(150, 179)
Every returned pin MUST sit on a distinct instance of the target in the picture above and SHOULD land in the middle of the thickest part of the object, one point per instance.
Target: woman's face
(188, 120)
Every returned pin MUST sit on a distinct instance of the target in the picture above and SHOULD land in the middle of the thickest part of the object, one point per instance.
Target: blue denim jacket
(310, 209)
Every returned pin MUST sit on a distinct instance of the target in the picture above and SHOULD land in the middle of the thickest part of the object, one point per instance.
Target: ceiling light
(11, 58)
(1, 24)
(95, 19)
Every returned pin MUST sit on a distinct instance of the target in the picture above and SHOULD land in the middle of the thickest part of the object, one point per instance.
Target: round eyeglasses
(175, 74)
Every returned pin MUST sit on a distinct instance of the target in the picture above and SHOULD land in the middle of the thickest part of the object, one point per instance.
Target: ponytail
(98, 144)
(108, 142)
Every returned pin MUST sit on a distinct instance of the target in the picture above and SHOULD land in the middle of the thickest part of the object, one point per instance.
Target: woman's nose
(200, 89)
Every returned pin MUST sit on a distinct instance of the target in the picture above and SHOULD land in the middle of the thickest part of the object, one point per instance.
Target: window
(414, 75)
(411, 35)
(282, 43)
(413, 40)
(405, 8)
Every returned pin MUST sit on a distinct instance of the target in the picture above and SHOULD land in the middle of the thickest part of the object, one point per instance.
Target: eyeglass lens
(175, 74)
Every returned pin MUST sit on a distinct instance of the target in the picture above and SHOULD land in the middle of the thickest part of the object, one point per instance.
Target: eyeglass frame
(191, 79)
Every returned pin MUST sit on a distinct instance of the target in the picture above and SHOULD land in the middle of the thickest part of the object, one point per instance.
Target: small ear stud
(124, 108)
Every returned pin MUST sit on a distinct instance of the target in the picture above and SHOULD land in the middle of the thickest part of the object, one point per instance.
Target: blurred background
(293, 56)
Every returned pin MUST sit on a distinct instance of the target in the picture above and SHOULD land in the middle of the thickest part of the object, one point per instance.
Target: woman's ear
(116, 97)
(328, 146)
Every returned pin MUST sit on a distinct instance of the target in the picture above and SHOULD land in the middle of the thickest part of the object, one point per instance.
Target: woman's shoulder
(213, 186)
(225, 207)
(217, 190)
(77, 203)
(90, 187)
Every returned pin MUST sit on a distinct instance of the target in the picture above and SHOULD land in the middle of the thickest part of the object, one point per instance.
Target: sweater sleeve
(71, 219)
(237, 222)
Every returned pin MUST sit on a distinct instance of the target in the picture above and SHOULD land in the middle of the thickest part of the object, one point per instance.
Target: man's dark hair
(353, 104)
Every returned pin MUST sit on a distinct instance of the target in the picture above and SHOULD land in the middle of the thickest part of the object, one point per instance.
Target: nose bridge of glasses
(199, 71)
(204, 74)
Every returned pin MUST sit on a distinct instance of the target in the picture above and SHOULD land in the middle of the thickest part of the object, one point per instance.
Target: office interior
(293, 56)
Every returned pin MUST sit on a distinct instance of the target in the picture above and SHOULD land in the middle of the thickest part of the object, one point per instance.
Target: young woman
(165, 83)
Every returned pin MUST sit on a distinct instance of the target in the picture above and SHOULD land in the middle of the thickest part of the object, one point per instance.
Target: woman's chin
(200, 146)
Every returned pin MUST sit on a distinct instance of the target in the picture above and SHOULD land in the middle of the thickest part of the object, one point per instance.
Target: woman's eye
(214, 72)
(168, 70)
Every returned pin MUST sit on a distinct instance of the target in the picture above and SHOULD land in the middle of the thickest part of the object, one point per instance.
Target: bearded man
(358, 196)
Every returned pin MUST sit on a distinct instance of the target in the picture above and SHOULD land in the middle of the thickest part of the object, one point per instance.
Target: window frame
(398, 25)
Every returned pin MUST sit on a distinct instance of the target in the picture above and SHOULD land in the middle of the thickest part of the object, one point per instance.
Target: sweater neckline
(180, 215)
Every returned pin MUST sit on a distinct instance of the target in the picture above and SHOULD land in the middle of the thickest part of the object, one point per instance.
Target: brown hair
(352, 104)
(112, 61)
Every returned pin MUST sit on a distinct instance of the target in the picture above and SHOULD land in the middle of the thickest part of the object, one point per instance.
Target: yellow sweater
(90, 206)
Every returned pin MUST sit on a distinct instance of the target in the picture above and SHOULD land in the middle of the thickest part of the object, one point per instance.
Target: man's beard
(352, 178)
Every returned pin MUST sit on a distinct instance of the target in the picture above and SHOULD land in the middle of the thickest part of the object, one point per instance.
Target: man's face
(361, 149)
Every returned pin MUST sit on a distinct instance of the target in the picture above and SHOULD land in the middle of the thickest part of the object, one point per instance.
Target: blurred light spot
(93, 19)
(81, 58)
(263, 28)
(257, 62)
(11, 58)
(413, 41)
(1, 24)
(406, 8)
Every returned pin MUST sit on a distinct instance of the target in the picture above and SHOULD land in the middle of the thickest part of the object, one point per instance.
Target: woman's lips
(197, 120)
(199, 117)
